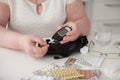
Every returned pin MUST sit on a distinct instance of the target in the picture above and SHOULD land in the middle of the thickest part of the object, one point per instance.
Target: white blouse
(24, 18)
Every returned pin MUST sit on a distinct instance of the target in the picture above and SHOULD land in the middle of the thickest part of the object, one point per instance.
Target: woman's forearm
(9, 39)
(76, 13)
(84, 25)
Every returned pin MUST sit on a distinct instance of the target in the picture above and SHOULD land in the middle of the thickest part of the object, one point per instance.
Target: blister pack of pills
(53, 72)
(42, 74)
(68, 71)
(77, 62)
(89, 74)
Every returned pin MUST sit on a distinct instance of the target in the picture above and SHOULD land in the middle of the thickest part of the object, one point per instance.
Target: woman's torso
(24, 18)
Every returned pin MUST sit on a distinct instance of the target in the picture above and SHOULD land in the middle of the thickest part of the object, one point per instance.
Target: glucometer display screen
(58, 36)
(62, 32)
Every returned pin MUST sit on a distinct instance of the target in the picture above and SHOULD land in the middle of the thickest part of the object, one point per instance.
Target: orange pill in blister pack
(89, 73)
(70, 61)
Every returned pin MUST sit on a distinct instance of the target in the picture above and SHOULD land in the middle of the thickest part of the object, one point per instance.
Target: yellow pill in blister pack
(66, 73)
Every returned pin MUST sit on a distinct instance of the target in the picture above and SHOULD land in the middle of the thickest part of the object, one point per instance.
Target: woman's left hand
(72, 35)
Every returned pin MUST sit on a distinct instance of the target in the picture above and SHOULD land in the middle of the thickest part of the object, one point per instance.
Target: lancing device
(58, 36)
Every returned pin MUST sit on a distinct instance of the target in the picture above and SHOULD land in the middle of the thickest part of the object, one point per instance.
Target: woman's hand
(28, 44)
(72, 35)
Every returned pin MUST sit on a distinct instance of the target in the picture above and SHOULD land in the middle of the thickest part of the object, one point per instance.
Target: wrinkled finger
(59, 27)
(45, 49)
(70, 33)
(40, 52)
(62, 42)
(69, 38)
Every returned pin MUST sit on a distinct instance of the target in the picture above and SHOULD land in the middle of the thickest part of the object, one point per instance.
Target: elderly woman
(25, 22)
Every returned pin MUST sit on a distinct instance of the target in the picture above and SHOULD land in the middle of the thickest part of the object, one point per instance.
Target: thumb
(59, 27)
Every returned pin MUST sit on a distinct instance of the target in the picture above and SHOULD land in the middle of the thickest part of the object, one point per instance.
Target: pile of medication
(69, 71)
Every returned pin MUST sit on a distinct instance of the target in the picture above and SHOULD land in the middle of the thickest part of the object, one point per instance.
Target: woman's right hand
(28, 44)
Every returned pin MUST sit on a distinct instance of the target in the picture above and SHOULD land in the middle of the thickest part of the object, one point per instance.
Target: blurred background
(104, 14)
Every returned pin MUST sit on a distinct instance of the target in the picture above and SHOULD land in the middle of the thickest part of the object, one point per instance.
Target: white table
(16, 64)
